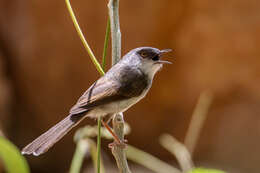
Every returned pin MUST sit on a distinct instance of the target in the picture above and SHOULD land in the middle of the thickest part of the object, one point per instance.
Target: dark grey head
(148, 59)
(150, 53)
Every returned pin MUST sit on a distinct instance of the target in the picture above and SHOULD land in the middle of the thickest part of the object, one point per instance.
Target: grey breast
(133, 82)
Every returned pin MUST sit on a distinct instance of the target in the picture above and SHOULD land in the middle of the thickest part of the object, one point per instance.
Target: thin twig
(197, 120)
(118, 120)
(178, 150)
(105, 45)
(82, 38)
(149, 161)
(79, 154)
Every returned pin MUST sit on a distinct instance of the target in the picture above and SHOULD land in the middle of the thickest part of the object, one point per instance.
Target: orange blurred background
(44, 69)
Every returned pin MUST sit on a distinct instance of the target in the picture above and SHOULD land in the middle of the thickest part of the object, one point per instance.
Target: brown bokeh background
(44, 69)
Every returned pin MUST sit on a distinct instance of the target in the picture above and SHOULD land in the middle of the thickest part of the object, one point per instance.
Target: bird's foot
(121, 144)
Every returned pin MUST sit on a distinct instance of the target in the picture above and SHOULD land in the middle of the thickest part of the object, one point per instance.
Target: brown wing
(129, 83)
(101, 92)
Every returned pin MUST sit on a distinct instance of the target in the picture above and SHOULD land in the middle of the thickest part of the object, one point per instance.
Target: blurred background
(44, 69)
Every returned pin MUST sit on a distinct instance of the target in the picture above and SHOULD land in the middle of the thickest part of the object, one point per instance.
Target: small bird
(122, 86)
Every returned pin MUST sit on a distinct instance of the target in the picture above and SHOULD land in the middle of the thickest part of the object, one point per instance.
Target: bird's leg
(109, 119)
(118, 141)
(111, 131)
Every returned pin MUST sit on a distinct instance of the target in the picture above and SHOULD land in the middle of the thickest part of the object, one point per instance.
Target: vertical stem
(118, 120)
(99, 145)
(106, 45)
(100, 118)
(113, 7)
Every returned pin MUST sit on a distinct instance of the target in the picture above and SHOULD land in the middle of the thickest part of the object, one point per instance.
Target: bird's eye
(144, 54)
(156, 58)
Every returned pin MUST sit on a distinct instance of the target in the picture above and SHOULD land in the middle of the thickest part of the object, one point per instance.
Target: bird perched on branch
(122, 86)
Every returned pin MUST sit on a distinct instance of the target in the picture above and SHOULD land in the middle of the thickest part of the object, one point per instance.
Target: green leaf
(13, 161)
(203, 170)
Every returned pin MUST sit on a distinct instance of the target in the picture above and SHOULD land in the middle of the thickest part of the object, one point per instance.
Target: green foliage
(13, 161)
(203, 170)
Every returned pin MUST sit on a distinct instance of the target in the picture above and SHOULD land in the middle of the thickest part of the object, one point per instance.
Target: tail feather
(42, 144)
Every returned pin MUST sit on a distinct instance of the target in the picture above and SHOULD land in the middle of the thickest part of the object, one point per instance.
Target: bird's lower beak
(163, 62)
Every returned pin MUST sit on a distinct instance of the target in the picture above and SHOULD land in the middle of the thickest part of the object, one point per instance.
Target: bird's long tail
(41, 144)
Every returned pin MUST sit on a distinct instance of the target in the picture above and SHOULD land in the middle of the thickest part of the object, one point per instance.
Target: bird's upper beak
(162, 52)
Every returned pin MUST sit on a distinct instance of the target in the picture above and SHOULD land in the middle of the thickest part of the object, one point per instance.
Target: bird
(122, 86)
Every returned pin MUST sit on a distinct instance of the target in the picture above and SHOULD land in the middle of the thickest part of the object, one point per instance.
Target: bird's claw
(121, 144)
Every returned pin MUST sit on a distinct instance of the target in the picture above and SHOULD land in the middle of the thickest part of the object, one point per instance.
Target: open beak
(162, 52)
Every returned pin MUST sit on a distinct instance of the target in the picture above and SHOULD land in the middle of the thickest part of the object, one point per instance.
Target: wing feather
(101, 92)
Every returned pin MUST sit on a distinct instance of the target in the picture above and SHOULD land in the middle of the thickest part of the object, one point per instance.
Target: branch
(85, 146)
(118, 120)
(149, 161)
(197, 120)
(119, 151)
(113, 7)
(179, 150)
(79, 154)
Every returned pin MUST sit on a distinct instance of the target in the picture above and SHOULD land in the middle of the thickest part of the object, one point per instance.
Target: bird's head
(150, 59)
